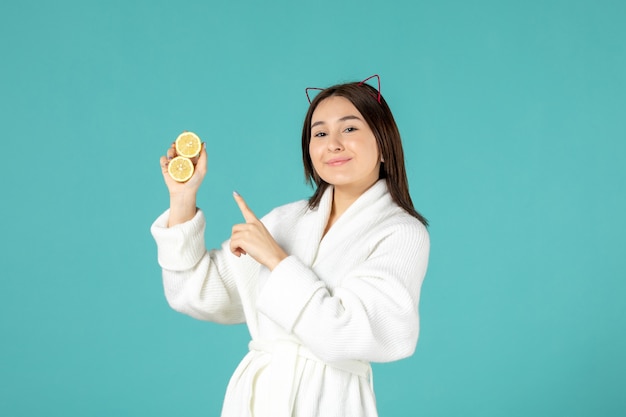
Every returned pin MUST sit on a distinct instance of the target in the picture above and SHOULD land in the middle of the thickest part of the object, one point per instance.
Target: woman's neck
(343, 197)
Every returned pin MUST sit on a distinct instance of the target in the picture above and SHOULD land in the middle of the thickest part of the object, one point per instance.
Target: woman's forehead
(334, 108)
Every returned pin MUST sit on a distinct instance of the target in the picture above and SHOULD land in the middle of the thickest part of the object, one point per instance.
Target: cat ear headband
(377, 97)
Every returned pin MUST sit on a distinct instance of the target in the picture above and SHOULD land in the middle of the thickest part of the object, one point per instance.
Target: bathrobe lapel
(311, 248)
(311, 228)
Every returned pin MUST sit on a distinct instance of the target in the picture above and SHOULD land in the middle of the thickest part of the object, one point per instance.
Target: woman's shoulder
(398, 222)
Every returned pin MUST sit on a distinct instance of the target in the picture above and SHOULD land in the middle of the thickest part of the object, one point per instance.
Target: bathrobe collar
(360, 214)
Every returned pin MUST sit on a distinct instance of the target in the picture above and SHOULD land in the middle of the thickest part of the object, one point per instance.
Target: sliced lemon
(188, 144)
(180, 168)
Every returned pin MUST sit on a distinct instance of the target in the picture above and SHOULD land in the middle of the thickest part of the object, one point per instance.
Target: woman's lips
(337, 161)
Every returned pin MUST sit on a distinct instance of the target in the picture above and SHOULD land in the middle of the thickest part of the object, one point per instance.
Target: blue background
(512, 115)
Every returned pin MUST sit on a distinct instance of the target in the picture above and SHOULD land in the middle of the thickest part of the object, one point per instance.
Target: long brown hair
(380, 120)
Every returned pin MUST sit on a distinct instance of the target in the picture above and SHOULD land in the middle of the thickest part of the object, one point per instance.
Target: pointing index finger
(248, 215)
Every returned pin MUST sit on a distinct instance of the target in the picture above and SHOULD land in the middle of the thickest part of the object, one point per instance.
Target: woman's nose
(334, 143)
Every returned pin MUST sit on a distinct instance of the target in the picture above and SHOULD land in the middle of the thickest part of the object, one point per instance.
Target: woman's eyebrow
(349, 117)
(343, 119)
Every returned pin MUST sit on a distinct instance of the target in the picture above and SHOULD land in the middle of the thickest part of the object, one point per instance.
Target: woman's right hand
(183, 194)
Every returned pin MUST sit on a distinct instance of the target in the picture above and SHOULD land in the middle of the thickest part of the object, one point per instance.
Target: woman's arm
(372, 316)
(196, 282)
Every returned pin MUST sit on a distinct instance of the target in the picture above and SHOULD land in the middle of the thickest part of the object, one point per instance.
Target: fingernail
(236, 194)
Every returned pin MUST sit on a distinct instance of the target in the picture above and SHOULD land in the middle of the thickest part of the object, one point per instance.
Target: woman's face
(343, 148)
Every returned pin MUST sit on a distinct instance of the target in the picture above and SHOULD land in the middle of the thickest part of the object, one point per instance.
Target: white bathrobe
(337, 303)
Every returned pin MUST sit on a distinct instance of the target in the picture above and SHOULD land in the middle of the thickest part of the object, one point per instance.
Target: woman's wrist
(278, 257)
(182, 208)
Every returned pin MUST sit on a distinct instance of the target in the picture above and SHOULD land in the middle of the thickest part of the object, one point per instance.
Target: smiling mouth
(337, 161)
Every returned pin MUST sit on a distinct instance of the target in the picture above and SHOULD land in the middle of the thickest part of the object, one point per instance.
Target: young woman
(325, 285)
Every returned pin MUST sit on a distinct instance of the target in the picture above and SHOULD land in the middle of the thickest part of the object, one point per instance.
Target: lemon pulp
(188, 144)
(180, 168)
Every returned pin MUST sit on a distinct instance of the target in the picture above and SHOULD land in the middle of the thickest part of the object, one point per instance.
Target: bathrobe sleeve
(198, 282)
(372, 316)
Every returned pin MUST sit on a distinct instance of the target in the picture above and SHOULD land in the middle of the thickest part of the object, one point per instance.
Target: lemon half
(180, 168)
(188, 144)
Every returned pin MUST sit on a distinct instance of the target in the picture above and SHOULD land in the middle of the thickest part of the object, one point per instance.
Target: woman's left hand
(252, 238)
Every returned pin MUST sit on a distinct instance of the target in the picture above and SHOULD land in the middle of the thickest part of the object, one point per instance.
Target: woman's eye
(350, 129)
(319, 134)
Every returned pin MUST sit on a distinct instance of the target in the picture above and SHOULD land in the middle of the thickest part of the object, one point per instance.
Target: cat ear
(307, 92)
(377, 96)
(377, 78)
